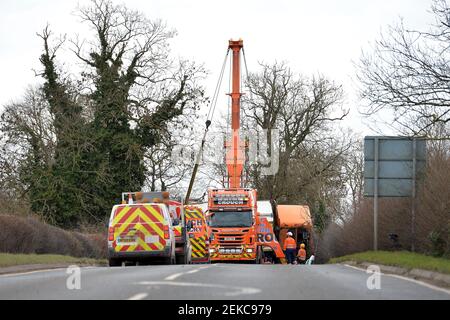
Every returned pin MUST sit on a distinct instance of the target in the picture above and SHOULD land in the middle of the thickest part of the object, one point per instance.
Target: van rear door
(155, 229)
(124, 224)
(139, 227)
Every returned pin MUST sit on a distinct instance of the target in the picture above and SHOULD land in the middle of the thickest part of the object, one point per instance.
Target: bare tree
(84, 139)
(300, 108)
(28, 145)
(354, 171)
(136, 90)
(163, 172)
(406, 75)
(312, 152)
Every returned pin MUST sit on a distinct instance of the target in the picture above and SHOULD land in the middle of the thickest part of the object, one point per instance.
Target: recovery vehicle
(239, 233)
(148, 227)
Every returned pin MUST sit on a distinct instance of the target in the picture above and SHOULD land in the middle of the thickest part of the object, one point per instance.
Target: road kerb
(437, 278)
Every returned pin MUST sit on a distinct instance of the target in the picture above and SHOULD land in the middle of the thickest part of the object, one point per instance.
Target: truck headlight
(249, 250)
(212, 250)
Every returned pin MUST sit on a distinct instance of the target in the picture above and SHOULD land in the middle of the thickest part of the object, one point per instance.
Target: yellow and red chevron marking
(199, 247)
(177, 231)
(193, 213)
(140, 222)
(246, 254)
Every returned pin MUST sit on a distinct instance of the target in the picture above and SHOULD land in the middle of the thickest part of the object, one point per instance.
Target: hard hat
(139, 196)
(290, 234)
(302, 246)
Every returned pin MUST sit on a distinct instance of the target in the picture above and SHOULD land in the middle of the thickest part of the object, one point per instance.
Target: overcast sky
(313, 36)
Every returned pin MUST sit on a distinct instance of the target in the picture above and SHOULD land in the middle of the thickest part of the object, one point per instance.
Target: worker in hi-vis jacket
(302, 254)
(290, 248)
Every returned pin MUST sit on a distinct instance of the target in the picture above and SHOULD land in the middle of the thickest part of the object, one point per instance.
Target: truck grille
(230, 238)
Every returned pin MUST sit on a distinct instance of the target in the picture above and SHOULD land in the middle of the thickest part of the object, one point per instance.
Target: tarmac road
(216, 281)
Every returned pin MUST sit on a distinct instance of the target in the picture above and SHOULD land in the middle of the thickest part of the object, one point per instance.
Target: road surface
(218, 281)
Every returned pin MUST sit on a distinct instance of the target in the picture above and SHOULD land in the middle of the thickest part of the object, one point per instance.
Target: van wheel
(114, 262)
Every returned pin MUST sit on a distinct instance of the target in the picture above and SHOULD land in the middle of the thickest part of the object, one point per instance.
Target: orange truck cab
(232, 220)
(198, 233)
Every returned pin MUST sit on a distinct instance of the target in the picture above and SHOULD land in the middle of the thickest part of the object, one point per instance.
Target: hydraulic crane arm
(235, 154)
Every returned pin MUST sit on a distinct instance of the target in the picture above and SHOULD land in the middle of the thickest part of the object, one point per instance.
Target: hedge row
(30, 235)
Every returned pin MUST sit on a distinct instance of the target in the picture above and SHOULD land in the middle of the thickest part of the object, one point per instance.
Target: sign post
(375, 195)
(413, 197)
(391, 165)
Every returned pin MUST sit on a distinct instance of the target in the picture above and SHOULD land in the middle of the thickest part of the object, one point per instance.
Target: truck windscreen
(231, 219)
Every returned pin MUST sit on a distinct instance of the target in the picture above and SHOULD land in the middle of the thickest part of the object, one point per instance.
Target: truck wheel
(258, 257)
(114, 262)
(180, 259)
(168, 260)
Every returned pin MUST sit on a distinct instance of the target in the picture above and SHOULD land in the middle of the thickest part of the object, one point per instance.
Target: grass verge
(9, 260)
(403, 259)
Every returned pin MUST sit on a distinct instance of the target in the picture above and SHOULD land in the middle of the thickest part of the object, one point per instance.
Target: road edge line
(402, 277)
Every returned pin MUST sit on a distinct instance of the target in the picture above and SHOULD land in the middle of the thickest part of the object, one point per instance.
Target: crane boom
(235, 154)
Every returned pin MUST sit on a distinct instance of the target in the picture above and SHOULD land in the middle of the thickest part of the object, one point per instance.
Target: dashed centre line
(176, 275)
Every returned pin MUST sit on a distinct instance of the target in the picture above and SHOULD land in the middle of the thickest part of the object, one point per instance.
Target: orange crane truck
(238, 232)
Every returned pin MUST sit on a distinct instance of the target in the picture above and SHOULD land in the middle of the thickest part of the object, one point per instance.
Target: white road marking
(6, 275)
(424, 284)
(176, 275)
(235, 291)
(193, 271)
(139, 296)
(173, 276)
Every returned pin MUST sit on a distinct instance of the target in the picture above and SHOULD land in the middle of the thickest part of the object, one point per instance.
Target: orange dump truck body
(294, 216)
(297, 219)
